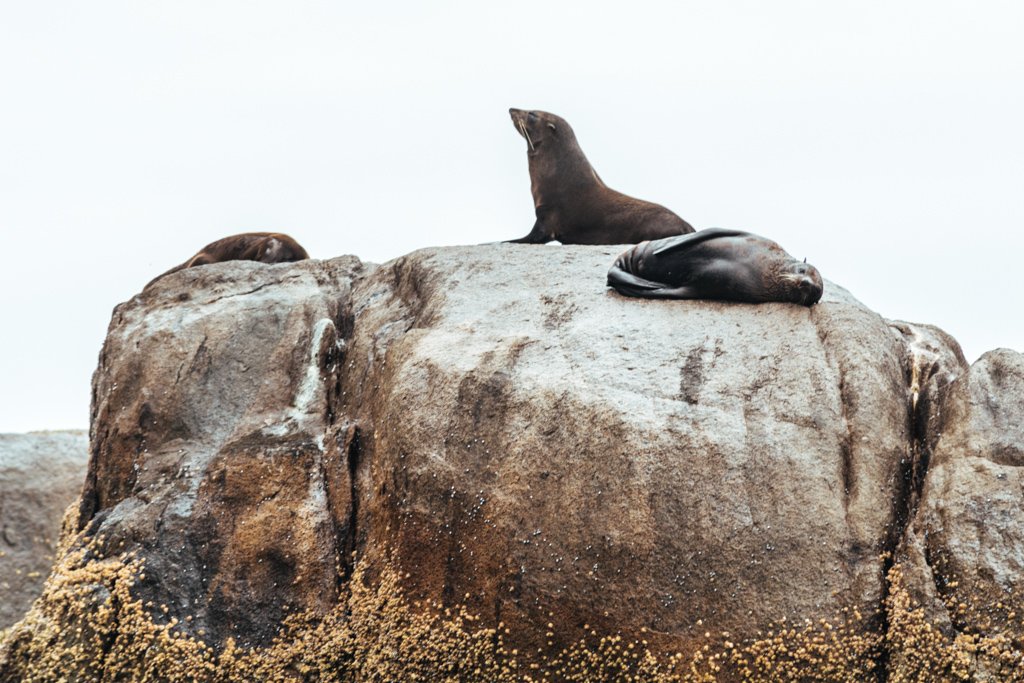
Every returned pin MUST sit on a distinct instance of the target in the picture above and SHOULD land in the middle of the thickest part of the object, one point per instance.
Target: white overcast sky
(884, 141)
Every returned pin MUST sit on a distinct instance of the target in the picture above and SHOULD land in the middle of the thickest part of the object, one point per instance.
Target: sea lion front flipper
(537, 236)
(670, 244)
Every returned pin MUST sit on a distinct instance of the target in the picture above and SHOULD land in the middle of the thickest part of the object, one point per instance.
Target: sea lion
(728, 265)
(265, 247)
(572, 203)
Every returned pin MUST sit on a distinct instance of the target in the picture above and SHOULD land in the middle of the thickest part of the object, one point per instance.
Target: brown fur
(265, 247)
(572, 203)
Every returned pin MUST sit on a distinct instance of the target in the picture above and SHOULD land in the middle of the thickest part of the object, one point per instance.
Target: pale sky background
(884, 141)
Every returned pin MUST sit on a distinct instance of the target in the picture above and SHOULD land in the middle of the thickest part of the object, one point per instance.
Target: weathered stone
(40, 476)
(549, 451)
(213, 450)
(355, 453)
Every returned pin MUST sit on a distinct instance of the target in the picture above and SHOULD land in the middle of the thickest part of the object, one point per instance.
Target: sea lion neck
(558, 172)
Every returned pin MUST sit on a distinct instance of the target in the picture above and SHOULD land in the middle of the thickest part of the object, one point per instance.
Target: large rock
(553, 452)
(471, 461)
(40, 476)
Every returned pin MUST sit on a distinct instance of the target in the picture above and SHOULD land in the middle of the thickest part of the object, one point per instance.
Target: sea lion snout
(524, 124)
(530, 119)
(809, 286)
(518, 117)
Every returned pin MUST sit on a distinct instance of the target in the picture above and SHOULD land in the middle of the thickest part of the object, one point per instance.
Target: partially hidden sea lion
(265, 247)
(728, 265)
(572, 203)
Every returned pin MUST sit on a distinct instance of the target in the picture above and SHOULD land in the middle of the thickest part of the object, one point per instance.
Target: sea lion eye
(552, 127)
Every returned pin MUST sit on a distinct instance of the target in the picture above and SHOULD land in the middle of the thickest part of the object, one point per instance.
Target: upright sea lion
(572, 203)
(265, 247)
(728, 265)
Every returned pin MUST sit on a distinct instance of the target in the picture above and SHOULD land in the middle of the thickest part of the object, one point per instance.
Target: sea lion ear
(805, 259)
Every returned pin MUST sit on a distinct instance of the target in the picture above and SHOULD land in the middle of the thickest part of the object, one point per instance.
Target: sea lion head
(541, 129)
(802, 283)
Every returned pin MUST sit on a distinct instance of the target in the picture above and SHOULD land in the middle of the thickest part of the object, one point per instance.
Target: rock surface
(559, 453)
(41, 474)
(212, 449)
(472, 460)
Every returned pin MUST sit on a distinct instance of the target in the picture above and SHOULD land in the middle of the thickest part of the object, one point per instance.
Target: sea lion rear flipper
(670, 244)
(631, 285)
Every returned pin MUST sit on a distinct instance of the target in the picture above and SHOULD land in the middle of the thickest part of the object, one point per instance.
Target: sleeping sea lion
(728, 265)
(265, 247)
(572, 203)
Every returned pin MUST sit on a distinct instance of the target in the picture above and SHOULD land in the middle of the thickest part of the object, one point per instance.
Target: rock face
(548, 473)
(560, 453)
(213, 446)
(41, 474)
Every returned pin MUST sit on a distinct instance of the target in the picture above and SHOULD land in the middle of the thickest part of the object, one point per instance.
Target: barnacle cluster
(88, 626)
(990, 649)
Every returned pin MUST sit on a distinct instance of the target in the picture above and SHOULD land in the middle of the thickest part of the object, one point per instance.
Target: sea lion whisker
(792, 275)
(526, 135)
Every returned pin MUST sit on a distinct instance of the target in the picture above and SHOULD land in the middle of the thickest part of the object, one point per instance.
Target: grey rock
(509, 435)
(560, 453)
(213, 446)
(41, 474)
